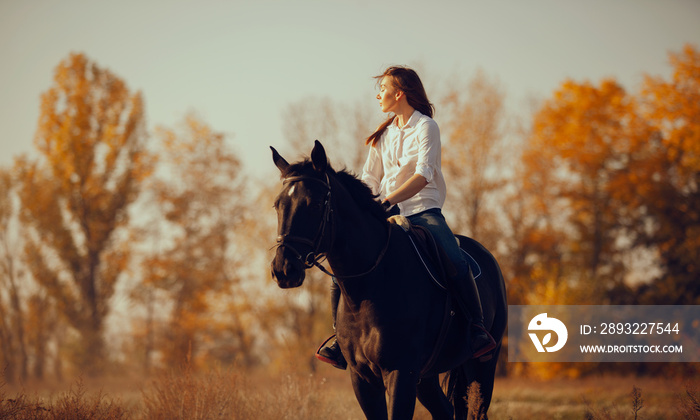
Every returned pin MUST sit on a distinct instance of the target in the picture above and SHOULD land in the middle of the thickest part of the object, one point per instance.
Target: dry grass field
(328, 395)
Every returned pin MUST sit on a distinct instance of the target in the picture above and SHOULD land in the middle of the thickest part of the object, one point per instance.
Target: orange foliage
(75, 198)
(667, 166)
(198, 191)
(611, 173)
(578, 146)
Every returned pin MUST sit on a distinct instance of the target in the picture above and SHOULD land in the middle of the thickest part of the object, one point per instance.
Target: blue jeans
(434, 221)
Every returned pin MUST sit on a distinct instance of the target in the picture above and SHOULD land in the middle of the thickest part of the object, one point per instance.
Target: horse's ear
(280, 162)
(318, 157)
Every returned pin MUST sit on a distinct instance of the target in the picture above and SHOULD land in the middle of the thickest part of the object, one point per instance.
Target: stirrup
(342, 365)
(488, 347)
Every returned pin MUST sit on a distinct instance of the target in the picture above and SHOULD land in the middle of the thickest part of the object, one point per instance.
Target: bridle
(315, 257)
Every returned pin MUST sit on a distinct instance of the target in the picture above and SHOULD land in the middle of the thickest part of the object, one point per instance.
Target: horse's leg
(433, 399)
(475, 373)
(401, 390)
(485, 373)
(464, 377)
(370, 397)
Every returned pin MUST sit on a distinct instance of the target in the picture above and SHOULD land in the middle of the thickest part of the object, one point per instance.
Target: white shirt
(402, 152)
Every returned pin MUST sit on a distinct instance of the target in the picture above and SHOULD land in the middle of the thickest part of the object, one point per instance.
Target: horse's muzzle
(287, 270)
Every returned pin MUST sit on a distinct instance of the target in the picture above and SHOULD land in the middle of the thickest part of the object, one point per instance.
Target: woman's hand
(386, 204)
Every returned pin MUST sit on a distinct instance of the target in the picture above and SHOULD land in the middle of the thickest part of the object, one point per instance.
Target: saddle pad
(434, 258)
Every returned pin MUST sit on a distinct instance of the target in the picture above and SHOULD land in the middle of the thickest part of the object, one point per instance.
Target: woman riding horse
(404, 169)
(396, 326)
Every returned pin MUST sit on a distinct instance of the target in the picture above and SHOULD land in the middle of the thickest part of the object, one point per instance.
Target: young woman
(403, 167)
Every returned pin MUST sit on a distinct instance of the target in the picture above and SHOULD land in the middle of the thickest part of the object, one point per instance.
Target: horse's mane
(359, 191)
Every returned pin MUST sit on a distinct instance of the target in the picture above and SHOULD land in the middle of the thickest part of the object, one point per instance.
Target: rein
(316, 256)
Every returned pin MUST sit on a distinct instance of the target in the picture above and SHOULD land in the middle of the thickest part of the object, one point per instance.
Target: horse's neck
(359, 237)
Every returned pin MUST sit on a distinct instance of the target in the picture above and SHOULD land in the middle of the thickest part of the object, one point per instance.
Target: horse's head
(303, 216)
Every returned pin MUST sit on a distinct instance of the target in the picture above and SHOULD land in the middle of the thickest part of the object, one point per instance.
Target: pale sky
(239, 64)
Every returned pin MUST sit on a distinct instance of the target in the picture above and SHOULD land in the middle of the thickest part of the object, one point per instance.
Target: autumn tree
(534, 243)
(13, 344)
(199, 197)
(609, 192)
(662, 193)
(75, 197)
(27, 318)
(619, 173)
(561, 217)
(579, 144)
(473, 130)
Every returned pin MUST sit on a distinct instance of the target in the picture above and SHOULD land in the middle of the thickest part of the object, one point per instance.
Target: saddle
(431, 254)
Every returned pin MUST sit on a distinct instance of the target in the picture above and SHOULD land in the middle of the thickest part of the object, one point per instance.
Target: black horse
(395, 326)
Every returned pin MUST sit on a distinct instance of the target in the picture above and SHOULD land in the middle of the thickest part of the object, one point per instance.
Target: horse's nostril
(288, 273)
(289, 270)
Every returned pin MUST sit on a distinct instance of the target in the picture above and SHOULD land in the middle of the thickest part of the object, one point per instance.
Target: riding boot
(470, 303)
(329, 351)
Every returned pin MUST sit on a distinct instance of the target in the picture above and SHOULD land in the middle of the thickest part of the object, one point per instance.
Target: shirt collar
(412, 121)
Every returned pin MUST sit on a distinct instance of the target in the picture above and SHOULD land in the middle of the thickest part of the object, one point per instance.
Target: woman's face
(387, 94)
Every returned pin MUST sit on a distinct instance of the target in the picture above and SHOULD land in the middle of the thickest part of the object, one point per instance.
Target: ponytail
(374, 138)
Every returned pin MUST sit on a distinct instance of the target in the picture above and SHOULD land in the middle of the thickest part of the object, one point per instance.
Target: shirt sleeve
(428, 150)
(373, 171)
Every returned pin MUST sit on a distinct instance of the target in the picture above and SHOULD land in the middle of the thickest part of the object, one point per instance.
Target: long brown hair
(406, 80)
